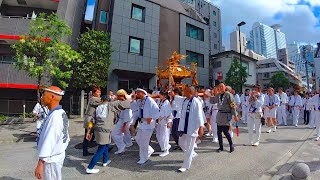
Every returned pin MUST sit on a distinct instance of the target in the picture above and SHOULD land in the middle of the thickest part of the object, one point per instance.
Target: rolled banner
(237, 129)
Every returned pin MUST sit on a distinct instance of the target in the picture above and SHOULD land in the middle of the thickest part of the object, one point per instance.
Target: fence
(15, 107)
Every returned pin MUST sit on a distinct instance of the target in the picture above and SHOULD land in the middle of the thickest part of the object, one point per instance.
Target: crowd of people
(185, 114)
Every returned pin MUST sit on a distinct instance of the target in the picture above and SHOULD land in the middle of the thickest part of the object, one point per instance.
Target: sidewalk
(307, 152)
(25, 131)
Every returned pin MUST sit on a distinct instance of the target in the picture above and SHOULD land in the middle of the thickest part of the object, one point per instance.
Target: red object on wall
(18, 86)
(219, 75)
(15, 37)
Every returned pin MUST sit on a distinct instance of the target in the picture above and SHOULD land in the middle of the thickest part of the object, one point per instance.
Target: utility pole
(306, 65)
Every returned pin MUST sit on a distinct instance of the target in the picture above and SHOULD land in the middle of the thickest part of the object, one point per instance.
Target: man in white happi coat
(271, 102)
(176, 104)
(40, 112)
(213, 110)
(192, 118)
(282, 109)
(295, 104)
(315, 101)
(164, 123)
(312, 110)
(121, 133)
(54, 137)
(149, 113)
(255, 103)
(244, 106)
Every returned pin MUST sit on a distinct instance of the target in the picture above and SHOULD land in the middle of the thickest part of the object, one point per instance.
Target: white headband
(55, 92)
(145, 92)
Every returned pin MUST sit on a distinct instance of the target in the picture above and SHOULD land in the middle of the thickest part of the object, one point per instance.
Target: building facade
(235, 44)
(16, 87)
(145, 33)
(267, 40)
(268, 67)
(221, 63)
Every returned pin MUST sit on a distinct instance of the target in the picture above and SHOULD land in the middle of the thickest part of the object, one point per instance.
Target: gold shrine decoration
(175, 72)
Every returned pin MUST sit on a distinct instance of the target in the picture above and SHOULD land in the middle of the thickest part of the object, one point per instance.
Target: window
(194, 32)
(214, 24)
(217, 64)
(195, 57)
(214, 13)
(266, 75)
(103, 17)
(137, 12)
(246, 65)
(215, 35)
(136, 45)
(215, 46)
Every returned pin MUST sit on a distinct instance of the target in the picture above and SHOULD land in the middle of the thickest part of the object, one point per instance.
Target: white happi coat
(165, 114)
(196, 117)
(42, 113)
(54, 136)
(177, 104)
(150, 110)
(269, 101)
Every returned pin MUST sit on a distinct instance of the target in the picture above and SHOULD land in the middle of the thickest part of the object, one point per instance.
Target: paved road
(19, 159)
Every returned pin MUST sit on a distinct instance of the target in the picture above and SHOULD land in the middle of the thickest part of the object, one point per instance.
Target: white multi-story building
(267, 40)
(235, 44)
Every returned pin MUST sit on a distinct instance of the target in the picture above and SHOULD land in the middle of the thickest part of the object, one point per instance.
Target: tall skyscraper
(234, 41)
(267, 40)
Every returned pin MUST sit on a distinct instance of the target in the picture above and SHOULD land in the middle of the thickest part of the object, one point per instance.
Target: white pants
(295, 115)
(254, 122)
(52, 171)
(143, 139)
(119, 138)
(187, 144)
(317, 122)
(163, 135)
(270, 113)
(214, 126)
(282, 115)
(244, 117)
(312, 119)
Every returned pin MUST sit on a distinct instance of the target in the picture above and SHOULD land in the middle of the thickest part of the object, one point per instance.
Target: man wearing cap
(54, 137)
(149, 113)
(226, 109)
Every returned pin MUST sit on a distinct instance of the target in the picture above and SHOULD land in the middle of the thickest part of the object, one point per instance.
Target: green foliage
(95, 49)
(279, 80)
(237, 75)
(38, 55)
(2, 117)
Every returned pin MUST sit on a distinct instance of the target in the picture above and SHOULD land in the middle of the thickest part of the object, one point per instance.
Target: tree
(279, 80)
(95, 49)
(237, 75)
(41, 52)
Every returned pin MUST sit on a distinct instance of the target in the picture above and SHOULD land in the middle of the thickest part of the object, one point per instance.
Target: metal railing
(16, 107)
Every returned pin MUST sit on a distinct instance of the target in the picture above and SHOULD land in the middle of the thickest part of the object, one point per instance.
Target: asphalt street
(18, 160)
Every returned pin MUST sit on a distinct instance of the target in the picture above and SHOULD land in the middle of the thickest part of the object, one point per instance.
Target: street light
(239, 25)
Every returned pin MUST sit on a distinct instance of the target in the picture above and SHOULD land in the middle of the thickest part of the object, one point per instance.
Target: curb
(274, 173)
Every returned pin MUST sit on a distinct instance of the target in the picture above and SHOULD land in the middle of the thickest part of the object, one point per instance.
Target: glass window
(136, 45)
(246, 65)
(137, 12)
(196, 58)
(217, 64)
(215, 46)
(214, 13)
(194, 32)
(214, 24)
(215, 35)
(103, 17)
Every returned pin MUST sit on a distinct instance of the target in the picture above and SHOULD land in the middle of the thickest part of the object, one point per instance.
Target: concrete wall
(169, 39)
(194, 45)
(71, 11)
(122, 28)
(14, 26)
